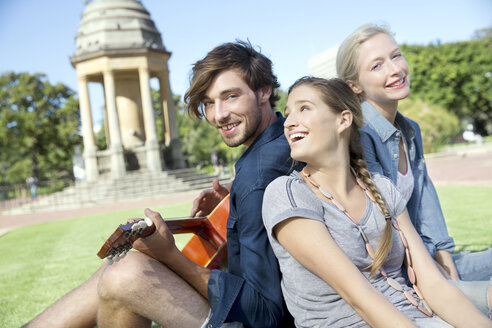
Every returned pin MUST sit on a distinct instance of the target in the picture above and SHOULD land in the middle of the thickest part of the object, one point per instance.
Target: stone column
(116, 148)
(151, 143)
(170, 122)
(168, 111)
(164, 95)
(90, 159)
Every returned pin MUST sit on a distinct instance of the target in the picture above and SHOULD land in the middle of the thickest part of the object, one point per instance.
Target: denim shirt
(250, 291)
(380, 140)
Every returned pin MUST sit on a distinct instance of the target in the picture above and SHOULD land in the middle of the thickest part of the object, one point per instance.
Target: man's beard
(250, 127)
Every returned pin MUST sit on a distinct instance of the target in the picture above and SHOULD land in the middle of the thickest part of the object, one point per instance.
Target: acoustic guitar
(206, 247)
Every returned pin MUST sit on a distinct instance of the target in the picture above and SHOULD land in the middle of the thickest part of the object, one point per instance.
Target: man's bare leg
(139, 289)
(76, 309)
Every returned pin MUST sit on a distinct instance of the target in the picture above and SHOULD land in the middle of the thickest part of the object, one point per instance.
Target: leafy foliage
(38, 127)
(438, 126)
(101, 142)
(457, 76)
(199, 138)
(483, 34)
(281, 102)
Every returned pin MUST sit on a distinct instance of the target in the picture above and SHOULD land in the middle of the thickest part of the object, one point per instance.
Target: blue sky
(39, 35)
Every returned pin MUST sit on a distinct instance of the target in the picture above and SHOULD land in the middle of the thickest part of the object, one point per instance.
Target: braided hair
(339, 97)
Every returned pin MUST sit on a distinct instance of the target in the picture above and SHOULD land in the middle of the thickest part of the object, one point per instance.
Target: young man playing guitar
(233, 88)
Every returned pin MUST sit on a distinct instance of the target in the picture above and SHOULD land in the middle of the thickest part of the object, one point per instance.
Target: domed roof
(115, 27)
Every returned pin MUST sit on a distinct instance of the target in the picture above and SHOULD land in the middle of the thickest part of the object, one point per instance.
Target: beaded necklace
(392, 282)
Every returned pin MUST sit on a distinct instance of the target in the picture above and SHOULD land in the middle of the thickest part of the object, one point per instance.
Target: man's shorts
(225, 325)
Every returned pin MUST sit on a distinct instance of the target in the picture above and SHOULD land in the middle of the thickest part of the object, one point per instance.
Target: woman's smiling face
(383, 72)
(310, 125)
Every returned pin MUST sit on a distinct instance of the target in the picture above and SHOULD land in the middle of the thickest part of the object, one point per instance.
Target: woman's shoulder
(283, 183)
(289, 196)
(291, 191)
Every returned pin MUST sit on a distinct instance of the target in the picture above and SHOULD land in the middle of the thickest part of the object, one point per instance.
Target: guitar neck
(206, 247)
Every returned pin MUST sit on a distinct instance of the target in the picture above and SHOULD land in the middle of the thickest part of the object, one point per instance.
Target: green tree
(438, 126)
(281, 102)
(101, 142)
(198, 139)
(457, 76)
(483, 34)
(39, 123)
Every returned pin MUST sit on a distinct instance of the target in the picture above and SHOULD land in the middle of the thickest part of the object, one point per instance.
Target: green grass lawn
(468, 213)
(41, 263)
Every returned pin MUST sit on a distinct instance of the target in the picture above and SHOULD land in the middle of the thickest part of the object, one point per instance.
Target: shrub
(438, 125)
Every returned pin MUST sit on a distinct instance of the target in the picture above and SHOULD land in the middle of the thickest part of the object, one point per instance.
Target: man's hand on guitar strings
(208, 199)
(160, 245)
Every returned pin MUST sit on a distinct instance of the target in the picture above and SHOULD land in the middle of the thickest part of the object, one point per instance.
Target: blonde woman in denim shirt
(370, 61)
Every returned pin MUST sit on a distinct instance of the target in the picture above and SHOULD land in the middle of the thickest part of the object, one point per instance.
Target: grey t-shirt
(311, 300)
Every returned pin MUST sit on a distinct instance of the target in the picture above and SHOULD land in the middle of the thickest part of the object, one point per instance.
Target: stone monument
(119, 46)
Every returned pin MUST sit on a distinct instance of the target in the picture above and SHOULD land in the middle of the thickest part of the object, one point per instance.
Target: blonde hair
(339, 97)
(348, 52)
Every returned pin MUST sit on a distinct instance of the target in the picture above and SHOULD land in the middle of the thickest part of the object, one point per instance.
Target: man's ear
(264, 94)
(345, 120)
(355, 87)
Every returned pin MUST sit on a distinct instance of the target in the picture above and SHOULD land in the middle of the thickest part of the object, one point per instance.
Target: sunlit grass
(468, 213)
(41, 263)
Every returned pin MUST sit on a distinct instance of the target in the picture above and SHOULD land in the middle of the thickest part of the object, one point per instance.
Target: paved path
(470, 168)
(461, 169)
(8, 222)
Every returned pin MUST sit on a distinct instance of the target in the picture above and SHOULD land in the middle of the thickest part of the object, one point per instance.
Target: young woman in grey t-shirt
(341, 236)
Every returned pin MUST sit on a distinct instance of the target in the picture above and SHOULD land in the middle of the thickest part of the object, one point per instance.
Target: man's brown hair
(255, 68)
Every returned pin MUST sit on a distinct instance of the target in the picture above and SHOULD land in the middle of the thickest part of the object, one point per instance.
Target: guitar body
(206, 247)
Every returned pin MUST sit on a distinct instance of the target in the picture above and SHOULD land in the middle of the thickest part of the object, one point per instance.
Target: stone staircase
(133, 186)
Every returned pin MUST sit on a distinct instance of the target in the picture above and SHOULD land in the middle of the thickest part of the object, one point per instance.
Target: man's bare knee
(140, 287)
(122, 277)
